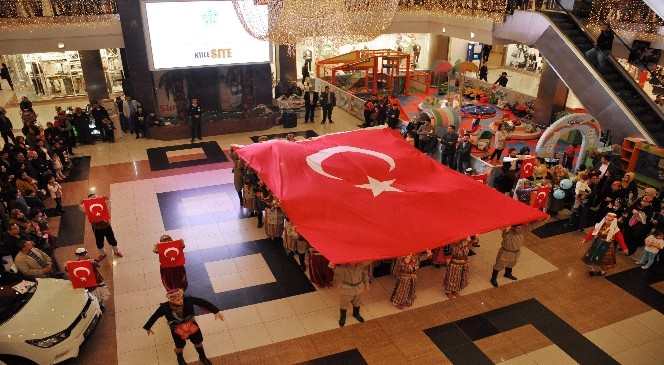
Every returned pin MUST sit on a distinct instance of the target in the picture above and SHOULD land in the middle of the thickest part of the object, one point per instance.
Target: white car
(47, 324)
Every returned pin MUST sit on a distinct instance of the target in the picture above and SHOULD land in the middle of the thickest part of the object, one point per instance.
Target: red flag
(480, 178)
(368, 195)
(540, 197)
(96, 209)
(171, 254)
(82, 273)
(528, 167)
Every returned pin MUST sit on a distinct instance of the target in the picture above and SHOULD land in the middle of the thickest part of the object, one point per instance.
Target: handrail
(618, 66)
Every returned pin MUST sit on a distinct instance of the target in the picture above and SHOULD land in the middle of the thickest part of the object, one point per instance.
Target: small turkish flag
(527, 167)
(540, 197)
(82, 274)
(96, 209)
(171, 254)
(480, 178)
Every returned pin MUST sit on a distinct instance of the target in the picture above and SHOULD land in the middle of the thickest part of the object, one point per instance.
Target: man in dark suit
(449, 141)
(463, 153)
(328, 100)
(310, 102)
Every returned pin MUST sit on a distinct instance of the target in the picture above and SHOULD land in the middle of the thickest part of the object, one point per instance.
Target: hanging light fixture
(289, 22)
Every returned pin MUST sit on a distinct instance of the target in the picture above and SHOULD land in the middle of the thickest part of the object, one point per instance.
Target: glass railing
(46, 8)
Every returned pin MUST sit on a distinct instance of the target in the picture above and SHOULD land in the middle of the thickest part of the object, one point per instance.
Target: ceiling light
(61, 45)
(472, 35)
(443, 29)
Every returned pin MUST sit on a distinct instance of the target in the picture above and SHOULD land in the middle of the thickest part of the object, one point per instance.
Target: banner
(96, 209)
(82, 274)
(527, 167)
(540, 197)
(171, 254)
(369, 195)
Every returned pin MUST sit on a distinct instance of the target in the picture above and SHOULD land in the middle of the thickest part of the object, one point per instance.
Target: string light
(493, 10)
(56, 14)
(632, 17)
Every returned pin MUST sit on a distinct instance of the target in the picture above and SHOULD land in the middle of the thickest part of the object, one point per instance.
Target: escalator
(622, 85)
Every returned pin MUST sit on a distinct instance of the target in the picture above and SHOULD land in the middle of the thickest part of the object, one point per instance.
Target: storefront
(44, 76)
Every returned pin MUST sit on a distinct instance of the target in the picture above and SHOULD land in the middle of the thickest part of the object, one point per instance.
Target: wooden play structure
(368, 70)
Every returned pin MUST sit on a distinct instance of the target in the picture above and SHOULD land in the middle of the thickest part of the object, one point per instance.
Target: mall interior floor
(554, 314)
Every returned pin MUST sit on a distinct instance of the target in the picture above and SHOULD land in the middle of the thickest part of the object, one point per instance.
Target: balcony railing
(42, 8)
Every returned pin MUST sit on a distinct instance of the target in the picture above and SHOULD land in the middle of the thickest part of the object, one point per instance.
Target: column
(438, 49)
(93, 73)
(551, 96)
(287, 65)
(139, 80)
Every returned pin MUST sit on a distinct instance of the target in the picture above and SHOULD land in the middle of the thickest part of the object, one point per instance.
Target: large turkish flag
(82, 274)
(171, 254)
(368, 194)
(96, 209)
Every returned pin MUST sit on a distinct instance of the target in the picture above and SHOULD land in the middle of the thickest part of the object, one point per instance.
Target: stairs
(625, 89)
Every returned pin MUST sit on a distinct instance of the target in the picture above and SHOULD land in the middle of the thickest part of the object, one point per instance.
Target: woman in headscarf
(456, 275)
(405, 270)
(635, 223)
(629, 188)
(179, 313)
(602, 252)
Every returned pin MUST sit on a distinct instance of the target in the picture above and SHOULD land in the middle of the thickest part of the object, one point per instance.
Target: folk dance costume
(101, 291)
(405, 271)
(172, 277)
(289, 237)
(441, 256)
(352, 280)
(320, 272)
(238, 173)
(601, 255)
(508, 254)
(249, 199)
(456, 275)
(274, 222)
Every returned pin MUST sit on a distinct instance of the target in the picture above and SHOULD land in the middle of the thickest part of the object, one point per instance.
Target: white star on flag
(378, 187)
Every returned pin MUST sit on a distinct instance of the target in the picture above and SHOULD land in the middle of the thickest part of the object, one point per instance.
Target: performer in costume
(172, 277)
(274, 220)
(441, 256)
(179, 312)
(101, 291)
(238, 172)
(352, 280)
(508, 254)
(405, 271)
(320, 272)
(601, 255)
(456, 275)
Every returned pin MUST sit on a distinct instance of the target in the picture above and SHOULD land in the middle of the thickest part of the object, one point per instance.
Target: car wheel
(14, 360)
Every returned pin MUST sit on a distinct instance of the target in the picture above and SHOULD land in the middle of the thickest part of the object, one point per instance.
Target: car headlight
(49, 341)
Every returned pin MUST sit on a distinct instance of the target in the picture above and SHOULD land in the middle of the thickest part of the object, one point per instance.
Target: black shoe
(471, 253)
(356, 314)
(342, 317)
(508, 274)
(493, 280)
(192, 140)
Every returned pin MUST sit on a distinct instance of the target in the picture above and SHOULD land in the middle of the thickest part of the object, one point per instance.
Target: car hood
(52, 308)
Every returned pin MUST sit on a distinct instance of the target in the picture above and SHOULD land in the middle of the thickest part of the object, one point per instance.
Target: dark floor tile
(159, 161)
(290, 280)
(506, 318)
(303, 134)
(447, 336)
(80, 169)
(477, 327)
(468, 354)
(555, 228)
(350, 357)
(72, 226)
(638, 282)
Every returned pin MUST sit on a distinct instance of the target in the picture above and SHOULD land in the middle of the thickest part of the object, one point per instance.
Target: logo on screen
(209, 16)
(214, 53)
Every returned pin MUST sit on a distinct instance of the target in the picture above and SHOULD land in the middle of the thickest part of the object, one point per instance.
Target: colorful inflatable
(584, 123)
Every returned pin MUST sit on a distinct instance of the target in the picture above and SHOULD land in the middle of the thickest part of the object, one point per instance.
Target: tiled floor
(270, 320)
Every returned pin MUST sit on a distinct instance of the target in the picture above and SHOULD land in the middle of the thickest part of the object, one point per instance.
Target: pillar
(93, 73)
(287, 64)
(139, 80)
(438, 49)
(551, 96)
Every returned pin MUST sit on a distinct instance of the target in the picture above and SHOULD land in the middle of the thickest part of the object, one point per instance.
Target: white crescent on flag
(528, 168)
(377, 187)
(85, 269)
(173, 249)
(541, 196)
(96, 205)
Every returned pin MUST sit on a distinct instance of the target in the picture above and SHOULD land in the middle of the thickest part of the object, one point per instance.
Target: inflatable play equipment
(584, 123)
(479, 111)
(519, 130)
(443, 117)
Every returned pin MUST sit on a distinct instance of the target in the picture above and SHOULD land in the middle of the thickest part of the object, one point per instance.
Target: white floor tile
(241, 317)
(285, 329)
(250, 336)
(275, 309)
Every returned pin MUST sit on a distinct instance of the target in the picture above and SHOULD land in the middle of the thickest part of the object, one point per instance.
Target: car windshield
(13, 297)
